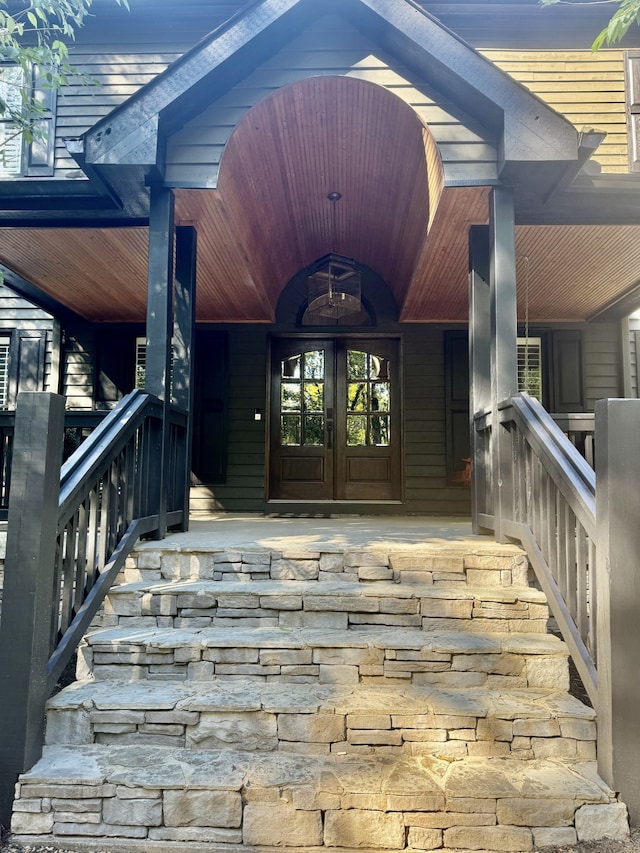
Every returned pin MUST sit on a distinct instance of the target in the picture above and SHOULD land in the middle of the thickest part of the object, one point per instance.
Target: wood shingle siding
(329, 47)
(588, 88)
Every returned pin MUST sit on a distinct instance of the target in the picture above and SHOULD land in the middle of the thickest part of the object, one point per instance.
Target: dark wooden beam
(184, 340)
(479, 359)
(504, 325)
(159, 333)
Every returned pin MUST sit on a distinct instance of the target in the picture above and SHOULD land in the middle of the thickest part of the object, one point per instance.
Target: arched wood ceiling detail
(320, 135)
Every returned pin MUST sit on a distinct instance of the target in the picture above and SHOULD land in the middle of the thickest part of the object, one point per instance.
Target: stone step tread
(192, 544)
(330, 589)
(446, 642)
(153, 767)
(248, 696)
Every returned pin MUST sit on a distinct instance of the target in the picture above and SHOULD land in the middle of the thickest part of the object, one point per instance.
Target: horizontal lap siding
(246, 392)
(602, 368)
(117, 77)
(588, 88)
(330, 47)
(425, 462)
(79, 370)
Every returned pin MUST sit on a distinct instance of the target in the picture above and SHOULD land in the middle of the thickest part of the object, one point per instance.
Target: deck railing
(77, 427)
(581, 530)
(70, 529)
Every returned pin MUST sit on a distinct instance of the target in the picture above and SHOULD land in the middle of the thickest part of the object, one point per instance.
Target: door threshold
(329, 508)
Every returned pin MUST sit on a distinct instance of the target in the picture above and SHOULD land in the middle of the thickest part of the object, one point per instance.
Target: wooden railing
(554, 516)
(70, 529)
(77, 427)
(580, 528)
(579, 428)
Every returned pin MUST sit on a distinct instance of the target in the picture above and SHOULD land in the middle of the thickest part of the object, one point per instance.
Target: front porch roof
(578, 262)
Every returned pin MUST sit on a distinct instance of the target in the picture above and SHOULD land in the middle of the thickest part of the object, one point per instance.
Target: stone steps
(319, 719)
(403, 698)
(222, 797)
(326, 655)
(335, 604)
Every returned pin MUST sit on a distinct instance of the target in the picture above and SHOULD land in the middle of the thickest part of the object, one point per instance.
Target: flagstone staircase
(395, 698)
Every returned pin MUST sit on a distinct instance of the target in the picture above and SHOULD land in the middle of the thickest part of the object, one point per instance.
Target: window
(530, 366)
(17, 159)
(5, 342)
(633, 107)
(141, 364)
(12, 84)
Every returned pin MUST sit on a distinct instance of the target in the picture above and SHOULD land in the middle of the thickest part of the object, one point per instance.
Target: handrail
(67, 544)
(554, 518)
(571, 473)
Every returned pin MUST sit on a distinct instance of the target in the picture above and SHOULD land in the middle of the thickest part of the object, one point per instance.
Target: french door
(335, 420)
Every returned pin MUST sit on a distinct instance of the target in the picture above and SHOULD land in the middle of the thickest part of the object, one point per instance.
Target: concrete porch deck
(257, 531)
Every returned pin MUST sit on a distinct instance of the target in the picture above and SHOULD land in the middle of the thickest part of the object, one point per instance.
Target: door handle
(330, 429)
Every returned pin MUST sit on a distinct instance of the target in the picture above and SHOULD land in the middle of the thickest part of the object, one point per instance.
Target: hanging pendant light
(334, 284)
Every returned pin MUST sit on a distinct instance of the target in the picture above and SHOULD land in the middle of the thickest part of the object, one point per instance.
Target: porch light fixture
(334, 284)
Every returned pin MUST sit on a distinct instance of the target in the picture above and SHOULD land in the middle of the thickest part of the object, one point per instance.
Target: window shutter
(633, 108)
(41, 150)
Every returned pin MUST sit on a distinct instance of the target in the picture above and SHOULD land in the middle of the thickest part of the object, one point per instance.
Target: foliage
(35, 34)
(625, 16)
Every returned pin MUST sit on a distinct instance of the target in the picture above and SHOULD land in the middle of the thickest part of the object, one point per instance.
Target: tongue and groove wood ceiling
(270, 217)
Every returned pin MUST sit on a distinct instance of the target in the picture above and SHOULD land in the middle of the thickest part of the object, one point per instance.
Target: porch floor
(225, 530)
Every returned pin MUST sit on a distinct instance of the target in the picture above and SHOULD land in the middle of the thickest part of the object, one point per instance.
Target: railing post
(617, 597)
(504, 361)
(29, 595)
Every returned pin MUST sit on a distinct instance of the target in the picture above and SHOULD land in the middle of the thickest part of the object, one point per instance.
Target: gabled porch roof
(536, 150)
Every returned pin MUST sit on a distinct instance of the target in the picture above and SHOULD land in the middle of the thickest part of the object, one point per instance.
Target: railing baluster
(81, 559)
(582, 615)
(92, 538)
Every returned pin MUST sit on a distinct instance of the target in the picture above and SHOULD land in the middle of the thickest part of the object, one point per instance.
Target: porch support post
(479, 365)
(617, 597)
(504, 332)
(184, 337)
(30, 596)
(159, 331)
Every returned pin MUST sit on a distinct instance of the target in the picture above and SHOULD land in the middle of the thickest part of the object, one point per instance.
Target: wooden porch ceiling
(270, 217)
(572, 272)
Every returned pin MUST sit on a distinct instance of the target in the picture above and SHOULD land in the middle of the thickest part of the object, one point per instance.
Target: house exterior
(339, 238)
(317, 101)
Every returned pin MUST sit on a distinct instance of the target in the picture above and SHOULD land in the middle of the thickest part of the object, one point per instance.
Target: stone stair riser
(442, 735)
(490, 810)
(232, 609)
(328, 665)
(416, 566)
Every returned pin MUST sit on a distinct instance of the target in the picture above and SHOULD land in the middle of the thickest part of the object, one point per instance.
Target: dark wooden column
(504, 352)
(479, 368)
(184, 340)
(28, 603)
(159, 332)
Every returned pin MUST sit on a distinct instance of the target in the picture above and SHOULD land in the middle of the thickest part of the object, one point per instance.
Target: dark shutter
(115, 363)
(40, 152)
(209, 416)
(28, 351)
(456, 354)
(568, 382)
